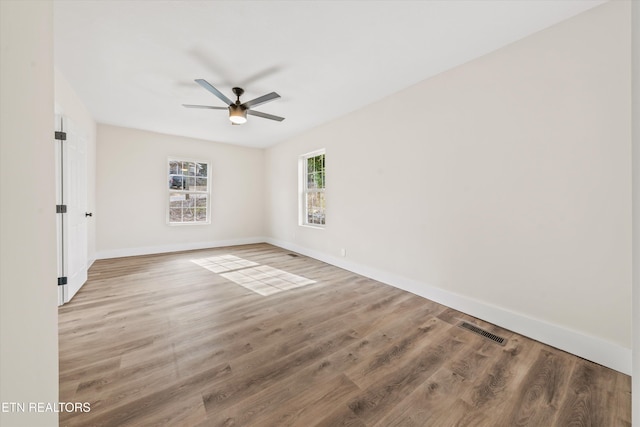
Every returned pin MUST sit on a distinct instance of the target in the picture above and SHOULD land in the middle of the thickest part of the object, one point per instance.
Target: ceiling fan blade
(209, 107)
(265, 115)
(208, 86)
(261, 100)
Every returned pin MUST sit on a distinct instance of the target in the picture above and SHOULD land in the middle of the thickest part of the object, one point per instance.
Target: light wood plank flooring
(164, 341)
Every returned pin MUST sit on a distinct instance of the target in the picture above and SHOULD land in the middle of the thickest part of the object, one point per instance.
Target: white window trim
(170, 190)
(302, 184)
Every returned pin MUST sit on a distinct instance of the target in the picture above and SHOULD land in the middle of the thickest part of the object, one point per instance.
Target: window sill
(317, 227)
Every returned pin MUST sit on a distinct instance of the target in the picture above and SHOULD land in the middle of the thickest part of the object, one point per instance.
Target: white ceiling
(133, 63)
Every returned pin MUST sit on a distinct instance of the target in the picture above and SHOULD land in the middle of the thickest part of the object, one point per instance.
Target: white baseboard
(150, 250)
(588, 347)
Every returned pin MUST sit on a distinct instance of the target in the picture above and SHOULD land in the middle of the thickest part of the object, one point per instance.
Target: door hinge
(61, 208)
(62, 280)
(61, 136)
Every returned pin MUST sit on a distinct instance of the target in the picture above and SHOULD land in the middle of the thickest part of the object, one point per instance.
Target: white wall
(636, 209)
(70, 105)
(501, 187)
(28, 288)
(131, 210)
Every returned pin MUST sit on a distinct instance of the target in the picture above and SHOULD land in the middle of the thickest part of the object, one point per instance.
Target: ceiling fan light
(237, 115)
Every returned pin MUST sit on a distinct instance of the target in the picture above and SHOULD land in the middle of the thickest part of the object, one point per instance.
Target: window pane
(188, 168)
(310, 165)
(189, 183)
(315, 208)
(201, 169)
(201, 214)
(201, 184)
(188, 215)
(176, 199)
(174, 167)
(200, 200)
(176, 182)
(175, 214)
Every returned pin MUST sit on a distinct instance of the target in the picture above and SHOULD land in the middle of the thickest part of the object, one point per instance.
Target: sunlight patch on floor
(223, 263)
(261, 279)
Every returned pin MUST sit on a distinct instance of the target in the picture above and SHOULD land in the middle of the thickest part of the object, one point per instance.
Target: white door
(72, 193)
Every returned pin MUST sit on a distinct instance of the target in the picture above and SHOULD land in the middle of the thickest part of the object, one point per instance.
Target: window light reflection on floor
(222, 263)
(261, 279)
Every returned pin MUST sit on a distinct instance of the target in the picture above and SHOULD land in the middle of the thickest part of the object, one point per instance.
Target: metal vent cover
(293, 255)
(476, 330)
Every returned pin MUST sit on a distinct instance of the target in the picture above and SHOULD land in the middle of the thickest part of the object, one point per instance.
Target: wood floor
(163, 341)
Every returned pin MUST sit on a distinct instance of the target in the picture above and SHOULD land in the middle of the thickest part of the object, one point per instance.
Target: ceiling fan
(238, 111)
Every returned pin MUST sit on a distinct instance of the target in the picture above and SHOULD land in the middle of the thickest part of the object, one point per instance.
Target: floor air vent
(294, 255)
(482, 332)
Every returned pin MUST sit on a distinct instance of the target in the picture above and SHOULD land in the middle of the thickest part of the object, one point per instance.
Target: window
(312, 178)
(188, 192)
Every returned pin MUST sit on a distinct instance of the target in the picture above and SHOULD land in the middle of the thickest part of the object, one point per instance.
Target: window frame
(304, 190)
(207, 192)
